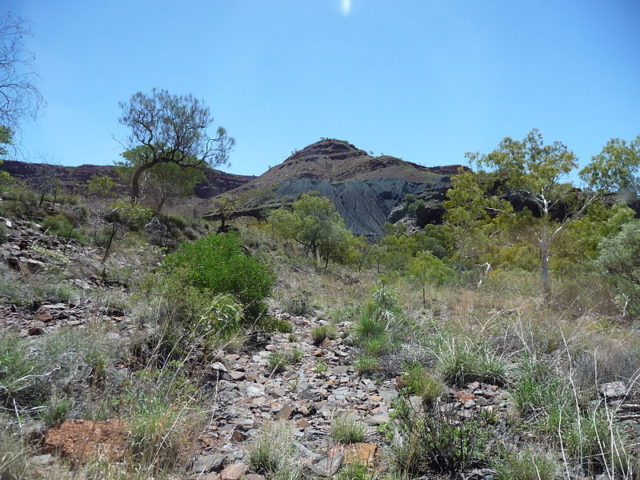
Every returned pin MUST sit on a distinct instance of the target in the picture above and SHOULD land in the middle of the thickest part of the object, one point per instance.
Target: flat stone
(329, 465)
(234, 471)
(285, 412)
(41, 460)
(207, 463)
(255, 390)
(379, 419)
(361, 454)
(235, 375)
(613, 390)
(464, 397)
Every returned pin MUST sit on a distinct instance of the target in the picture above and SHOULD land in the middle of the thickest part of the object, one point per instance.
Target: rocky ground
(319, 385)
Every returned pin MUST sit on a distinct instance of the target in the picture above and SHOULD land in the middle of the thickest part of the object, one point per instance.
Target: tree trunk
(424, 297)
(135, 181)
(546, 279)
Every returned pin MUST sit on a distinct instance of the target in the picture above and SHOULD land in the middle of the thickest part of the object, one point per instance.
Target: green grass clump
(537, 389)
(463, 362)
(366, 365)
(272, 453)
(418, 382)
(436, 441)
(278, 361)
(527, 464)
(60, 225)
(347, 429)
(320, 333)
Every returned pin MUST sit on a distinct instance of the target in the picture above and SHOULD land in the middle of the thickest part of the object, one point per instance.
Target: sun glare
(345, 5)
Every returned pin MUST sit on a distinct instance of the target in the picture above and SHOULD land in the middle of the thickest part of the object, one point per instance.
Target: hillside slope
(364, 188)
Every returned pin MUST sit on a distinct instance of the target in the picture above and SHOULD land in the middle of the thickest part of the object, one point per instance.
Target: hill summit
(366, 189)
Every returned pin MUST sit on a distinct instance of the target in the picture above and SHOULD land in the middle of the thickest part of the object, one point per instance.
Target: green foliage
(314, 223)
(20, 380)
(60, 225)
(298, 304)
(435, 442)
(462, 362)
(538, 389)
(417, 381)
(57, 411)
(615, 168)
(366, 365)
(217, 263)
(526, 464)
(427, 269)
(347, 429)
(279, 360)
(619, 257)
(322, 332)
(171, 129)
(134, 216)
(101, 186)
(162, 181)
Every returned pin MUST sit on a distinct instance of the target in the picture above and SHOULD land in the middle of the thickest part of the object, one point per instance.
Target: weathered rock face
(74, 179)
(364, 205)
(367, 191)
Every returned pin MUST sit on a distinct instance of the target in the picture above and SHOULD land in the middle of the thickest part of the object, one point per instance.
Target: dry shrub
(609, 360)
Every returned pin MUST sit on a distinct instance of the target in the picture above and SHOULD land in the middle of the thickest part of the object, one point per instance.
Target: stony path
(250, 394)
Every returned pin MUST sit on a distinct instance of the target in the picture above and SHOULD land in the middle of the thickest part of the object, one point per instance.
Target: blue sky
(423, 80)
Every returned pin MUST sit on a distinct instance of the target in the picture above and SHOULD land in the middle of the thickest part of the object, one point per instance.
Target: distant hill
(365, 189)
(74, 179)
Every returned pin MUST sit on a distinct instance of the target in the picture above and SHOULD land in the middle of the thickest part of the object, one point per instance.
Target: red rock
(361, 454)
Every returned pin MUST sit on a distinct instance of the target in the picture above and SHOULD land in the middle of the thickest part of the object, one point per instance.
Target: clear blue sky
(423, 80)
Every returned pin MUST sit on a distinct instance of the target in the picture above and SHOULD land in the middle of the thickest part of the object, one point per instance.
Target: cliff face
(73, 179)
(365, 189)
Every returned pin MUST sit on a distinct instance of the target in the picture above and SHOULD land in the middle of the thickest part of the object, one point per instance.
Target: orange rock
(234, 472)
(82, 439)
(464, 397)
(361, 454)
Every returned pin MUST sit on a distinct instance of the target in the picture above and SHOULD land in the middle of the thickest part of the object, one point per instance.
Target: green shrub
(61, 226)
(527, 464)
(134, 216)
(347, 429)
(620, 259)
(217, 263)
(463, 362)
(320, 333)
(418, 382)
(57, 411)
(21, 381)
(299, 304)
(354, 471)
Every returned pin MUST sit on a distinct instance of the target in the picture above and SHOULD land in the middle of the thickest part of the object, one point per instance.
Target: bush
(320, 333)
(217, 263)
(298, 304)
(347, 429)
(278, 361)
(527, 464)
(620, 258)
(21, 383)
(134, 216)
(61, 226)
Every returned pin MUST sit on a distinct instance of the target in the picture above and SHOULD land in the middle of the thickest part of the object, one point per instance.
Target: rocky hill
(73, 179)
(365, 189)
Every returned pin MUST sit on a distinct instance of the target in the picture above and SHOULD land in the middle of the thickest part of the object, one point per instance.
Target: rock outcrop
(368, 191)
